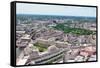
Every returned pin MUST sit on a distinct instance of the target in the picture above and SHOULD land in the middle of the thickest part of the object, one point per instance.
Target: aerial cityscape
(55, 38)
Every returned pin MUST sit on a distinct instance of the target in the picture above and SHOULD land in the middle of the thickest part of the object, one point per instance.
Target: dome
(52, 48)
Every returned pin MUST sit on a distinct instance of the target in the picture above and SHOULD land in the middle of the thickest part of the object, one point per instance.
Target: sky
(41, 9)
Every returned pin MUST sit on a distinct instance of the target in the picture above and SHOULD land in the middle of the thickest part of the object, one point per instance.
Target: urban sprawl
(48, 39)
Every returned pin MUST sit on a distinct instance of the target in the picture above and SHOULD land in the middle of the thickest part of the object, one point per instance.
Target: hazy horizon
(56, 15)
